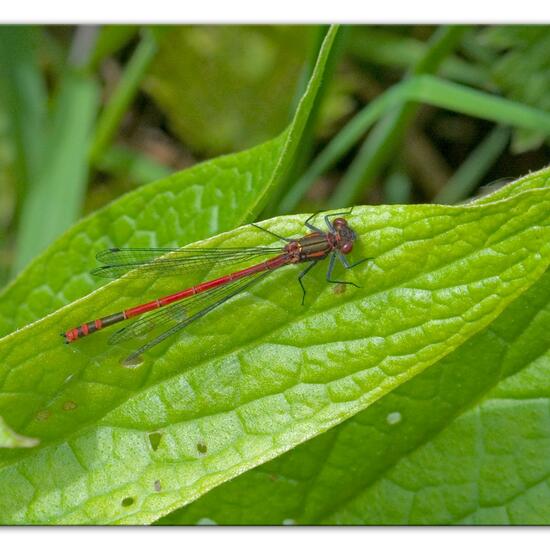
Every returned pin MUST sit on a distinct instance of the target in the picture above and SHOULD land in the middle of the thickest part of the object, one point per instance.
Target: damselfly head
(345, 235)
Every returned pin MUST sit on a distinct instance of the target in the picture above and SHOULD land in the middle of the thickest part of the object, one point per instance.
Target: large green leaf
(347, 474)
(467, 441)
(193, 204)
(128, 446)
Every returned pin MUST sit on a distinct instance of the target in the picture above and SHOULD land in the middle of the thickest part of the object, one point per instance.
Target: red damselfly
(178, 310)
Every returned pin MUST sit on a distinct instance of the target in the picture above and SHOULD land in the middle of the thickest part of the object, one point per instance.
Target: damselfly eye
(347, 247)
(339, 223)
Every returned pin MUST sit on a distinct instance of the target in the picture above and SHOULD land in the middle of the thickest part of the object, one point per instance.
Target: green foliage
(419, 397)
(522, 71)
(426, 89)
(66, 152)
(51, 147)
(193, 204)
(233, 87)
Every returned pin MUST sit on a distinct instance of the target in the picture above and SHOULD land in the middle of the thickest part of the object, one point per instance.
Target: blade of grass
(58, 188)
(111, 39)
(431, 91)
(468, 177)
(379, 146)
(123, 95)
(395, 50)
(306, 144)
(23, 93)
(57, 193)
(397, 189)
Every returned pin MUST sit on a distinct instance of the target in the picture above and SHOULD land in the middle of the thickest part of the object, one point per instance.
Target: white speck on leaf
(289, 522)
(394, 418)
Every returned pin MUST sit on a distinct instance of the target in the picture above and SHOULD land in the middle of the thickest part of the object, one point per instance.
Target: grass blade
(380, 145)
(123, 95)
(58, 190)
(23, 92)
(424, 89)
(467, 178)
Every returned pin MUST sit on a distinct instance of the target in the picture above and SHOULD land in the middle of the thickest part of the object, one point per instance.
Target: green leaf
(128, 446)
(346, 475)
(234, 86)
(193, 204)
(467, 441)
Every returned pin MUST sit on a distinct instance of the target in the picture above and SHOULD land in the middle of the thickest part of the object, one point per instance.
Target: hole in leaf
(69, 405)
(132, 361)
(157, 486)
(202, 448)
(154, 439)
(128, 501)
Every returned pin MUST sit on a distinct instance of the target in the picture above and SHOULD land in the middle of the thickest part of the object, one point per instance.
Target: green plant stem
(472, 170)
(379, 146)
(425, 89)
(123, 95)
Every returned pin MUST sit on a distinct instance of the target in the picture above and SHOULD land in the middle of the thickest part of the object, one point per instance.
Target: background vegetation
(88, 114)
(325, 119)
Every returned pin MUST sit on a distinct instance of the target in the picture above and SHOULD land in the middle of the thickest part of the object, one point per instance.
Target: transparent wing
(164, 262)
(171, 319)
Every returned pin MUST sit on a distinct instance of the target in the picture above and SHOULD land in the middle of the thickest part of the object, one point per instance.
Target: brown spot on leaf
(43, 415)
(69, 405)
(339, 289)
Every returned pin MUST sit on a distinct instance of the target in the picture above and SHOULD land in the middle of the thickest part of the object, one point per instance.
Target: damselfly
(178, 310)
